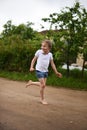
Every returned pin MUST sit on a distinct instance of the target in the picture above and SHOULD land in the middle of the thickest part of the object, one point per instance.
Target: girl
(44, 58)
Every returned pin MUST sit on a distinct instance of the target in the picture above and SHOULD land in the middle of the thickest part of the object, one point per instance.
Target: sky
(22, 11)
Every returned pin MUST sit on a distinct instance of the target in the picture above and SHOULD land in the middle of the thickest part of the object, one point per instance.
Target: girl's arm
(32, 63)
(55, 70)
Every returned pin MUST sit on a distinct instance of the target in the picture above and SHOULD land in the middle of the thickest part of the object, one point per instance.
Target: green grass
(17, 75)
(65, 82)
(72, 82)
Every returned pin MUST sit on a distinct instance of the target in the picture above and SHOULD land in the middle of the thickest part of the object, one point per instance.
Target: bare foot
(29, 83)
(44, 102)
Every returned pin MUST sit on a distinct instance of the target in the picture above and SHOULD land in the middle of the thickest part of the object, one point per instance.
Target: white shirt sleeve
(51, 56)
(37, 53)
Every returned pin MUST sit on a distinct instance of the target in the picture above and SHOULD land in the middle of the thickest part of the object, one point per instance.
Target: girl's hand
(59, 75)
(31, 69)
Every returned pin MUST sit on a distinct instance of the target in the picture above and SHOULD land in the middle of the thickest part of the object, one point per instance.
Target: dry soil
(20, 108)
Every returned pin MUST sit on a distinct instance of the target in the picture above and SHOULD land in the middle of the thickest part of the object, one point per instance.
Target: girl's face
(45, 47)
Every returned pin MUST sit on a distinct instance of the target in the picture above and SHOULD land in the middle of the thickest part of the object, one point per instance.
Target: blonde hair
(49, 43)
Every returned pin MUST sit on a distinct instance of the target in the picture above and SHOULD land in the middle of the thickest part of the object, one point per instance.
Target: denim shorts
(40, 74)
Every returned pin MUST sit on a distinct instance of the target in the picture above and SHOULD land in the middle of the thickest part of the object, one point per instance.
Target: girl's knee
(42, 83)
(42, 86)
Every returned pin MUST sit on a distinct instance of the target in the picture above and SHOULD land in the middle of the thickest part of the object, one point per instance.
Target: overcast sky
(22, 11)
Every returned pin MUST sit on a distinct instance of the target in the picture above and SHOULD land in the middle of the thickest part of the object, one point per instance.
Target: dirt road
(20, 108)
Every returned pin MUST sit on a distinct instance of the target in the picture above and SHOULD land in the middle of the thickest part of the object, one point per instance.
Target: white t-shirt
(43, 60)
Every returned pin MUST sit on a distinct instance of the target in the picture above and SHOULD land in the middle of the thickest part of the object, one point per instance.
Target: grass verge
(72, 83)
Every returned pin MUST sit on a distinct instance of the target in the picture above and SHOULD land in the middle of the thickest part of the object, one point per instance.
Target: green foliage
(17, 46)
(25, 31)
(8, 29)
(17, 57)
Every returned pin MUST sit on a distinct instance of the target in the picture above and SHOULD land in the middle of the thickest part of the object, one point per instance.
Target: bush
(16, 57)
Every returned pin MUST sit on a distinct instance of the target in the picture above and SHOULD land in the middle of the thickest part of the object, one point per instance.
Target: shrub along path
(20, 108)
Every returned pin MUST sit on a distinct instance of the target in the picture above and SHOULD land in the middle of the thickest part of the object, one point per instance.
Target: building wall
(79, 60)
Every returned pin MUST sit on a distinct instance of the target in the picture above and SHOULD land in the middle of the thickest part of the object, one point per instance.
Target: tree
(73, 22)
(8, 29)
(83, 36)
(25, 31)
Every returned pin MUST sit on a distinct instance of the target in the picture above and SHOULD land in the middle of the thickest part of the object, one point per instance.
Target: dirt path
(20, 108)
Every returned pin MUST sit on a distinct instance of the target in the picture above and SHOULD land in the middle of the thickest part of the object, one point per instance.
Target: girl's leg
(32, 83)
(36, 83)
(43, 85)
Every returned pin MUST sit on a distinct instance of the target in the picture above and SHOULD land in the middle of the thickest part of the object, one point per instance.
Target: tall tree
(73, 21)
